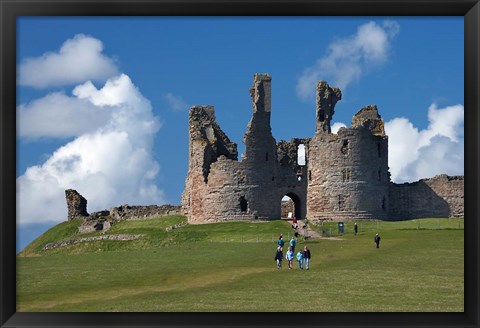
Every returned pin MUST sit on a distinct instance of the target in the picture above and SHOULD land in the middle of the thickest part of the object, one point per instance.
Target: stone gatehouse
(344, 176)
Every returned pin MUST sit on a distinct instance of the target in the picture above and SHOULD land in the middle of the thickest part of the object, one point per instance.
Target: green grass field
(229, 267)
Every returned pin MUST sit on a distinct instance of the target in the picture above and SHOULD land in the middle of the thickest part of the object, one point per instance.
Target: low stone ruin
(126, 211)
(103, 220)
(88, 239)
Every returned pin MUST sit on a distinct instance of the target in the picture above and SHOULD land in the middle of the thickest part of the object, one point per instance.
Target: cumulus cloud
(348, 58)
(58, 116)
(79, 59)
(110, 165)
(176, 103)
(415, 154)
(336, 126)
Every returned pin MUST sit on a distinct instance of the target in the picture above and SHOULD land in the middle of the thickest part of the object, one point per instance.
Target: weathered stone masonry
(345, 176)
(102, 220)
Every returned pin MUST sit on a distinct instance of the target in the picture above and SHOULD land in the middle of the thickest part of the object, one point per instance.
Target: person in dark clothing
(377, 240)
(306, 257)
(355, 228)
(279, 257)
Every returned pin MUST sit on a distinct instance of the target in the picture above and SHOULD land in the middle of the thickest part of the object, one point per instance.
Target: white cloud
(415, 154)
(110, 165)
(336, 126)
(175, 102)
(348, 58)
(58, 115)
(79, 59)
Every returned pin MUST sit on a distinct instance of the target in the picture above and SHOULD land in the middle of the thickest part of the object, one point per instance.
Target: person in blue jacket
(293, 243)
(300, 259)
(289, 257)
(280, 241)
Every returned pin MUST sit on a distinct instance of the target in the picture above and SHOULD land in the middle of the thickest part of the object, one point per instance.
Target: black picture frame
(10, 10)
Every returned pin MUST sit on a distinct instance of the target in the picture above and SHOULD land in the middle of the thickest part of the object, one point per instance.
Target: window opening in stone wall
(345, 174)
(273, 178)
(310, 175)
(379, 149)
(344, 148)
(243, 204)
(266, 157)
(341, 202)
(301, 158)
(299, 173)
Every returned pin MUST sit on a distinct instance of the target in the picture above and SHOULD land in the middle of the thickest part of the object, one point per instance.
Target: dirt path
(309, 233)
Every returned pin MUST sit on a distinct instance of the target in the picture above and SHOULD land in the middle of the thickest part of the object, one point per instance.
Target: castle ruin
(345, 175)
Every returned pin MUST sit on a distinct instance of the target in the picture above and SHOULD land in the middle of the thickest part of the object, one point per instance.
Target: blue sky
(102, 103)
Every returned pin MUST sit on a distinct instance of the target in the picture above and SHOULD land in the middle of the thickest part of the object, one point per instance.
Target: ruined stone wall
(345, 175)
(219, 187)
(207, 142)
(225, 196)
(103, 220)
(441, 196)
(260, 160)
(343, 181)
(291, 177)
(348, 175)
(76, 204)
(132, 212)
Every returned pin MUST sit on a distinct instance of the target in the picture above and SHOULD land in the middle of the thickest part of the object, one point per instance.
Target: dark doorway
(291, 204)
(243, 204)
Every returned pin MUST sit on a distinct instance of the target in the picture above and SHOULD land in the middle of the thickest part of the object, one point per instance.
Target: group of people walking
(302, 256)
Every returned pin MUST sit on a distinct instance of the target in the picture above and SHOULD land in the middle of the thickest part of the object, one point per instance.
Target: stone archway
(295, 208)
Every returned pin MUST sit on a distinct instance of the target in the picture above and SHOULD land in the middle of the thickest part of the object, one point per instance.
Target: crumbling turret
(76, 204)
(327, 97)
(260, 146)
(207, 140)
(369, 118)
(261, 93)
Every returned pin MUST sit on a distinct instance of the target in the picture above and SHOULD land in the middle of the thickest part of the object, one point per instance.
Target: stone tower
(260, 159)
(326, 100)
(348, 175)
(76, 204)
(219, 187)
(208, 146)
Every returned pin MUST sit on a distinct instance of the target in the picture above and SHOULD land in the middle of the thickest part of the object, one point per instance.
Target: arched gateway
(291, 203)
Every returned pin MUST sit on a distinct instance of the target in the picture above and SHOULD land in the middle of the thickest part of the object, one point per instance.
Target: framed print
(157, 156)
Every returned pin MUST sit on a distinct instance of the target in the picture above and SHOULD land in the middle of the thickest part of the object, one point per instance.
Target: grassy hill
(230, 267)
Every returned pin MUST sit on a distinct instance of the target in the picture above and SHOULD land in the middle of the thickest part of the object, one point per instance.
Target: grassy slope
(230, 267)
